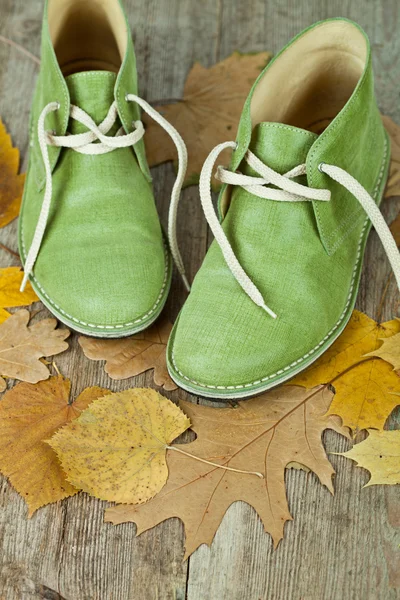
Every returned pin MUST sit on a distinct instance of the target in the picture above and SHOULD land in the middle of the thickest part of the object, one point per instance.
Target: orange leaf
(29, 415)
(11, 184)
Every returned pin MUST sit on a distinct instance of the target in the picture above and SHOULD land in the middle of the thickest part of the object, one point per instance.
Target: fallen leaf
(361, 335)
(4, 314)
(10, 296)
(11, 184)
(365, 388)
(389, 351)
(21, 346)
(393, 183)
(208, 113)
(128, 357)
(264, 435)
(380, 454)
(366, 395)
(116, 450)
(30, 414)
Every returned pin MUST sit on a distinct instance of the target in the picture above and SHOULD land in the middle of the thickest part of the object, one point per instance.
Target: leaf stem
(207, 462)
(6, 249)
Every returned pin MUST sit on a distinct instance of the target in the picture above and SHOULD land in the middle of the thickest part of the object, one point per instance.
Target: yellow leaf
(10, 282)
(30, 414)
(128, 357)
(11, 184)
(208, 113)
(116, 449)
(361, 335)
(4, 314)
(264, 434)
(365, 388)
(366, 395)
(389, 351)
(380, 454)
(21, 347)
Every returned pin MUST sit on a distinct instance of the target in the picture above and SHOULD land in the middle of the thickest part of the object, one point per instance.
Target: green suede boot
(279, 282)
(90, 238)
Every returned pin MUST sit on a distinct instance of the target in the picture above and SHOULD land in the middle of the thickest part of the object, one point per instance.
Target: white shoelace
(84, 143)
(289, 191)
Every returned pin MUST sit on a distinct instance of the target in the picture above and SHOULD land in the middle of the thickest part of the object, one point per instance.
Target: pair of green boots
(307, 174)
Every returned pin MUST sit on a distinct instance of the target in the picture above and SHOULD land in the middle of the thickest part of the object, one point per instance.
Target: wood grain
(343, 547)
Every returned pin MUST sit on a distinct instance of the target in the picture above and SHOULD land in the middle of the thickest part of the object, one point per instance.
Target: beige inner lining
(87, 34)
(313, 79)
(309, 84)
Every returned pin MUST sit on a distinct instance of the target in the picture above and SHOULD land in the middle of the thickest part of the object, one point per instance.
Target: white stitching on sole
(92, 326)
(299, 360)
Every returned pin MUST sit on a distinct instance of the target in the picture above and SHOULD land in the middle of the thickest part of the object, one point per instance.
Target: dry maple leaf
(21, 346)
(30, 414)
(380, 454)
(116, 450)
(264, 435)
(10, 296)
(128, 357)
(389, 351)
(365, 388)
(393, 183)
(11, 184)
(208, 113)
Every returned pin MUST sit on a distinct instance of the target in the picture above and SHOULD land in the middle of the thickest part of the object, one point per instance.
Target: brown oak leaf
(11, 184)
(29, 415)
(128, 357)
(21, 346)
(208, 113)
(264, 435)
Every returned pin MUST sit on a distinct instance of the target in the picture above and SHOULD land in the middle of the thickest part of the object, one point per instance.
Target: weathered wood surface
(343, 547)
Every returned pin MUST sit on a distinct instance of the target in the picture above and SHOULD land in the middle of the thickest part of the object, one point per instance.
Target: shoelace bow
(289, 191)
(84, 143)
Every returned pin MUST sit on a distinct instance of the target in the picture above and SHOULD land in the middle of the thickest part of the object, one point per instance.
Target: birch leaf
(116, 449)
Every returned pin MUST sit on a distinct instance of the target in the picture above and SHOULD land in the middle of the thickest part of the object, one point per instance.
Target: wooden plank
(340, 547)
(337, 547)
(65, 549)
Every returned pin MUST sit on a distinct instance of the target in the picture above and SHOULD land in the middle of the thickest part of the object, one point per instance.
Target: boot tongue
(93, 92)
(279, 146)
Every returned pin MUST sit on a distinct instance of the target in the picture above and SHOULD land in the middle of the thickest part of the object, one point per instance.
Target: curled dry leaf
(380, 454)
(208, 113)
(11, 184)
(30, 414)
(264, 435)
(116, 449)
(10, 296)
(22, 347)
(128, 357)
(366, 388)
